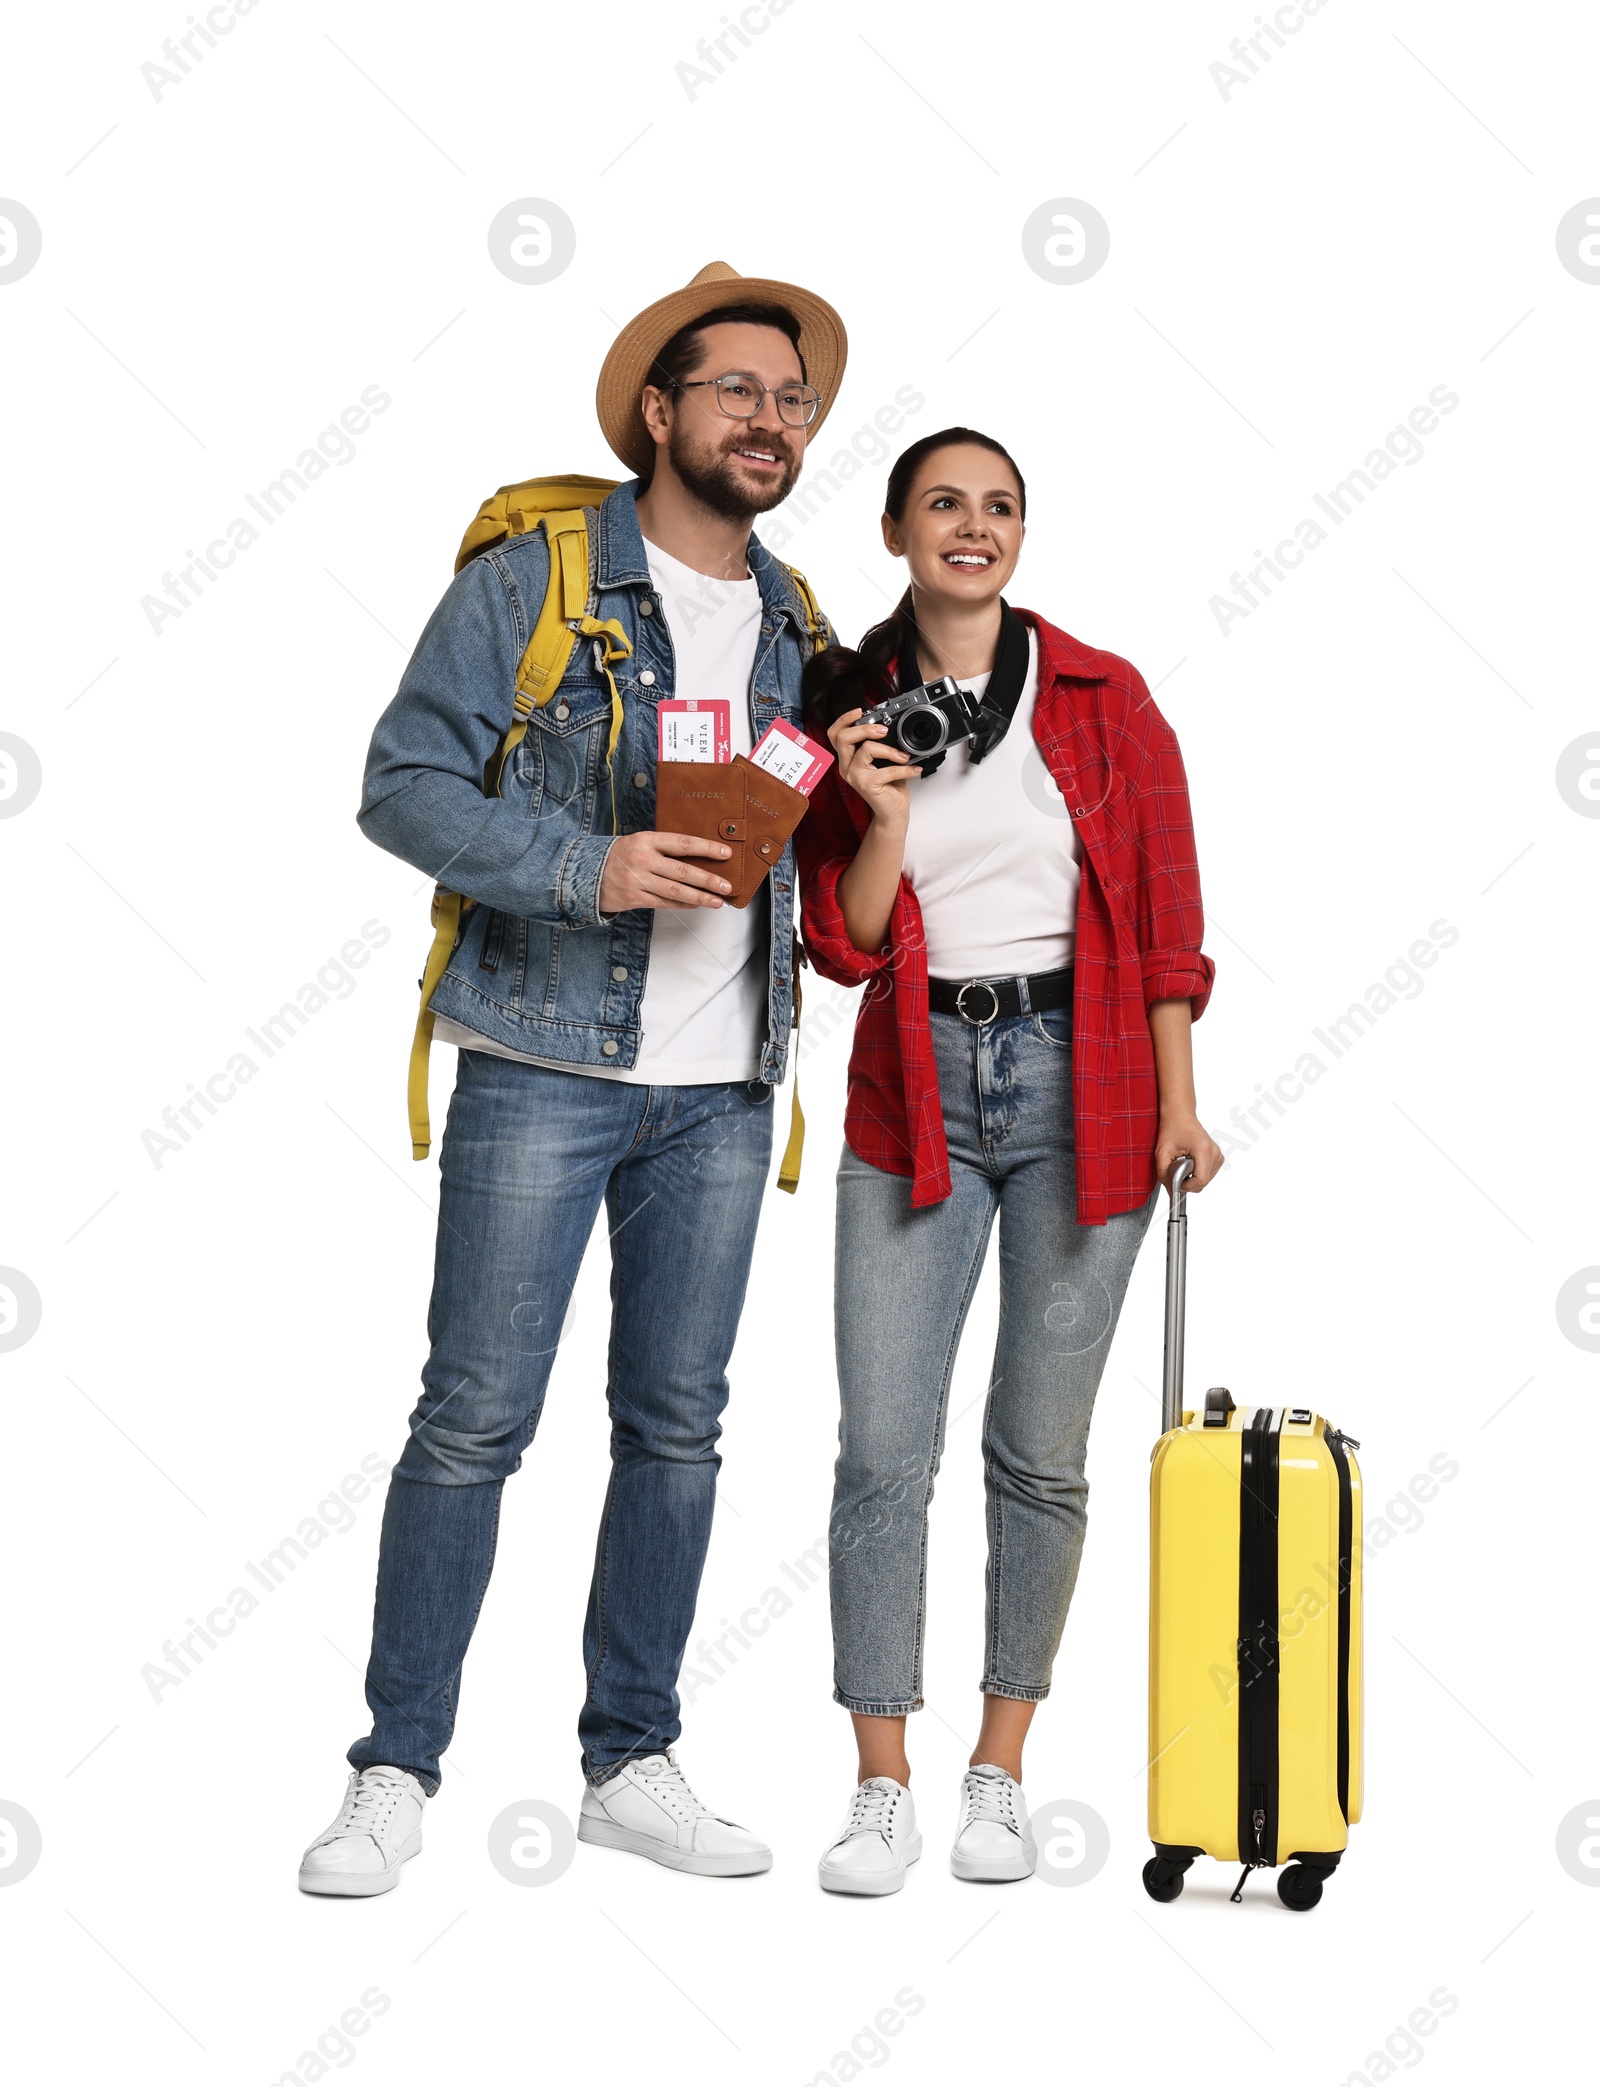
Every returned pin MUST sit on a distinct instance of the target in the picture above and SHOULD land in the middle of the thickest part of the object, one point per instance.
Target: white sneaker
(648, 1809)
(994, 1842)
(379, 1827)
(877, 1842)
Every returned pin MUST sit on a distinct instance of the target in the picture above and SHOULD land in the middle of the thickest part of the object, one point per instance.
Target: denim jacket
(537, 968)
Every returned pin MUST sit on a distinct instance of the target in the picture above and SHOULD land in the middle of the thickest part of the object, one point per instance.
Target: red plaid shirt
(1139, 929)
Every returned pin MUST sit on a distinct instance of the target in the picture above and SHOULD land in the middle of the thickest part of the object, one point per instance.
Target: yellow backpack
(561, 506)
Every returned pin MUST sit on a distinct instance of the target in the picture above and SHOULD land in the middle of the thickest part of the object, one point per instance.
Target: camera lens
(923, 730)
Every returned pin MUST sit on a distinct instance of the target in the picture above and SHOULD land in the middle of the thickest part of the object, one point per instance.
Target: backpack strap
(816, 623)
(563, 618)
(789, 1165)
(449, 911)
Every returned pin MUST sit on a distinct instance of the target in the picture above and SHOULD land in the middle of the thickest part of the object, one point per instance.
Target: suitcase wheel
(1299, 1888)
(1163, 1880)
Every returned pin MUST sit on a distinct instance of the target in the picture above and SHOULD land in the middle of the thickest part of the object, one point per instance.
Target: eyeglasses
(742, 398)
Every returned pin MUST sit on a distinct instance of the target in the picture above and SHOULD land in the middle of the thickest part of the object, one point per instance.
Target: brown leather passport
(736, 803)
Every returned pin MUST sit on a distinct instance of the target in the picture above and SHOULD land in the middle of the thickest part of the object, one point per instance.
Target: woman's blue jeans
(529, 1157)
(904, 1282)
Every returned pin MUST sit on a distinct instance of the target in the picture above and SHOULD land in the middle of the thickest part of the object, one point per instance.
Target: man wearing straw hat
(620, 1032)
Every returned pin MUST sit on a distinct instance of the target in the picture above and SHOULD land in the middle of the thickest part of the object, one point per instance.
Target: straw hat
(623, 374)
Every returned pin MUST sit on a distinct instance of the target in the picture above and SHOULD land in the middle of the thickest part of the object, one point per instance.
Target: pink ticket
(690, 731)
(787, 753)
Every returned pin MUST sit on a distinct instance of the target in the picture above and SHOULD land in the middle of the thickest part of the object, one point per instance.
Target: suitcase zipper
(1258, 1827)
(1258, 1644)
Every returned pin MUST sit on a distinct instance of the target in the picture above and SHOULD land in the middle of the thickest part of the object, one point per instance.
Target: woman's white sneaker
(378, 1828)
(878, 1840)
(648, 1809)
(994, 1842)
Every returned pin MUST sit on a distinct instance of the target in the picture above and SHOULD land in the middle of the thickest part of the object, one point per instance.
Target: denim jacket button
(647, 679)
(640, 780)
(609, 1049)
(646, 606)
(619, 972)
(563, 712)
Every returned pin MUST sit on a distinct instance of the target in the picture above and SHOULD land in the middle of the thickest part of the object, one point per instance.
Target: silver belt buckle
(983, 986)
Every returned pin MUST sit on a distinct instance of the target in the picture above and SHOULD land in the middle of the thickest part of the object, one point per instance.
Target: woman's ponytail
(853, 677)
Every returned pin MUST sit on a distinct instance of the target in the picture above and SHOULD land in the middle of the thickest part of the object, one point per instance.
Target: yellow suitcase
(1255, 1630)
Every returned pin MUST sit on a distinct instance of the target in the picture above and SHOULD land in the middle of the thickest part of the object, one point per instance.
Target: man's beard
(715, 485)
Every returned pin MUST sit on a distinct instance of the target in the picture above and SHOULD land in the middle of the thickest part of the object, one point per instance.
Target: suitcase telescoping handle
(1177, 1260)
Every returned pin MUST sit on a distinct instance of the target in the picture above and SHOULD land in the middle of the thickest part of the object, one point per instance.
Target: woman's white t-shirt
(705, 992)
(993, 855)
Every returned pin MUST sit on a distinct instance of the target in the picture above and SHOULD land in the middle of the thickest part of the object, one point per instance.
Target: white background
(1293, 267)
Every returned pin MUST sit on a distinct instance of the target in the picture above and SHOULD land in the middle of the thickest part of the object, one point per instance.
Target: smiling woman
(920, 499)
(1003, 855)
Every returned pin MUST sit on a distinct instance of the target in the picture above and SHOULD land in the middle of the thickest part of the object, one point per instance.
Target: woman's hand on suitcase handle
(1182, 1131)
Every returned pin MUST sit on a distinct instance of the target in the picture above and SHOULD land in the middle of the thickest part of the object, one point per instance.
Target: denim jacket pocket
(582, 701)
(560, 757)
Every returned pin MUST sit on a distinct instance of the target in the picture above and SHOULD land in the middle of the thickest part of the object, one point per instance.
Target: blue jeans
(529, 1156)
(904, 1281)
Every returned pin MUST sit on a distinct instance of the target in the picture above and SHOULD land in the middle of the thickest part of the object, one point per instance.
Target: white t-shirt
(993, 855)
(705, 993)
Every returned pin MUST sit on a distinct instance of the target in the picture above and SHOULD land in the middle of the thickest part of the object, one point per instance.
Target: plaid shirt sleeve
(1169, 916)
(825, 842)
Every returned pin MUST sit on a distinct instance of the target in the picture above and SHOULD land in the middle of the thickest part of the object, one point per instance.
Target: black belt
(980, 1000)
